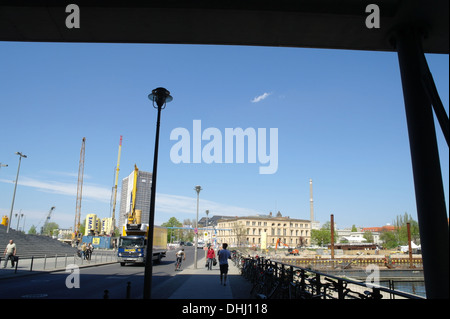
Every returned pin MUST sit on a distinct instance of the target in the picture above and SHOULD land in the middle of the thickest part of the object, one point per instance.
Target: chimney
(311, 201)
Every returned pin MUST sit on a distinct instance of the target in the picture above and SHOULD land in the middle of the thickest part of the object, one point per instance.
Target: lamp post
(197, 189)
(207, 220)
(160, 96)
(15, 187)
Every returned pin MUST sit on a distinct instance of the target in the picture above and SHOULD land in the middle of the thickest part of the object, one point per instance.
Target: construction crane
(115, 188)
(77, 224)
(49, 215)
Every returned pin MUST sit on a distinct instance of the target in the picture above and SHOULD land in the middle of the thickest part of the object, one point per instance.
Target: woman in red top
(210, 257)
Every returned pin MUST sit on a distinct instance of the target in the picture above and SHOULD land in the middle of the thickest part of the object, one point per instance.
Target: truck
(132, 246)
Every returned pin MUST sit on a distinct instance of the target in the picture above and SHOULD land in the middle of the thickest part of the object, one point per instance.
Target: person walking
(10, 253)
(210, 257)
(224, 254)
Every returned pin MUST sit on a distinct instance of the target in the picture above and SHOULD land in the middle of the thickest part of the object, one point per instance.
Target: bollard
(56, 260)
(31, 266)
(45, 260)
(16, 259)
(128, 290)
(106, 294)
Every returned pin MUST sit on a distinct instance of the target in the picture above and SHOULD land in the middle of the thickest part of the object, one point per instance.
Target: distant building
(143, 196)
(264, 230)
(379, 229)
(212, 221)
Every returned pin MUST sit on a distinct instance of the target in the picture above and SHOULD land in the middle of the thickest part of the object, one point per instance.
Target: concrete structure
(143, 196)
(254, 230)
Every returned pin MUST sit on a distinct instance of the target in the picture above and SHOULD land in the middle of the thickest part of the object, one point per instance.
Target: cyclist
(180, 256)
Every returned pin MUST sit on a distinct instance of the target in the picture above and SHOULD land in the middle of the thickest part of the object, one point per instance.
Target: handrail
(284, 271)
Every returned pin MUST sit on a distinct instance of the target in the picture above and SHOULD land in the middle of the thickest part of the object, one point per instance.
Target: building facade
(264, 230)
(143, 196)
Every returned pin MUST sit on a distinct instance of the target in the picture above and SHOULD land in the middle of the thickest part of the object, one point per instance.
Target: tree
(49, 228)
(322, 236)
(172, 222)
(399, 237)
(32, 230)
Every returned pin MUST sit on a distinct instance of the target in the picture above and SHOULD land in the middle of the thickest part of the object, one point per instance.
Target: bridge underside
(328, 24)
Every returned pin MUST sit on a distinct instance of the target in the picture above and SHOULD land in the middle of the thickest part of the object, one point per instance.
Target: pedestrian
(210, 257)
(10, 253)
(224, 254)
(83, 251)
(89, 250)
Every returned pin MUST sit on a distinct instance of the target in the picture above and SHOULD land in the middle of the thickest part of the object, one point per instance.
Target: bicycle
(178, 264)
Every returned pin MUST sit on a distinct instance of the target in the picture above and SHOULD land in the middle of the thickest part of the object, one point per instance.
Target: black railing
(277, 280)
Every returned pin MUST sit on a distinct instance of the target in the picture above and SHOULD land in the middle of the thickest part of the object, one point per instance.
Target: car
(200, 244)
(189, 244)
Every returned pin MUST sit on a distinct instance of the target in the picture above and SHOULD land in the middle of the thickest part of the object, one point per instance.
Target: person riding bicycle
(180, 256)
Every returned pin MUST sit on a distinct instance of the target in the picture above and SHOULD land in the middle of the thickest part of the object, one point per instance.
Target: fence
(277, 280)
(52, 262)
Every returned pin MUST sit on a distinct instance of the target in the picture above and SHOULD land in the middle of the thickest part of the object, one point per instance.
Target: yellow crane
(115, 187)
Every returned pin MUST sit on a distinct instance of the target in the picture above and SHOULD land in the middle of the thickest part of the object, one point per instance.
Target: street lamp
(160, 96)
(207, 213)
(15, 187)
(197, 189)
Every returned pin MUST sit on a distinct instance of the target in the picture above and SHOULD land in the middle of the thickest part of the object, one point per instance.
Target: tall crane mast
(49, 215)
(115, 187)
(79, 190)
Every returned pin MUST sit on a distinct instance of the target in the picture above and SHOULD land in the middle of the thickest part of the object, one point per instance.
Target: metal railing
(277, 280)
(51, 262)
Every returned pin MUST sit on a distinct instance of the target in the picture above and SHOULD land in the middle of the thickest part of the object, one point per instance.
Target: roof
(327, 24)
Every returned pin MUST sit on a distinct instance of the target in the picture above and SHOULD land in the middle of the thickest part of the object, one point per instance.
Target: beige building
(264, 230)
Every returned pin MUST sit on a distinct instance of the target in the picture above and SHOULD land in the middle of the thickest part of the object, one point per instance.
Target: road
(93, 281)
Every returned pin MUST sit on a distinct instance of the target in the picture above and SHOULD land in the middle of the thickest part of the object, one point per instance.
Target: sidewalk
(202, 283)
(189, 283)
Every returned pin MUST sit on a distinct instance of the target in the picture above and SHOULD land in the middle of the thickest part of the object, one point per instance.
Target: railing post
(340, 289)
(128, 290)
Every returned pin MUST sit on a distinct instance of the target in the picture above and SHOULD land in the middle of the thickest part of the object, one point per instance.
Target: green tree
(368, 236)
(399, 237)
(32, 230)
(322, 236)
(172, 222)
(49, 228)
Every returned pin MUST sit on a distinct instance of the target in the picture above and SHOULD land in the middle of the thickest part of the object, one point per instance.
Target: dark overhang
(331, 24)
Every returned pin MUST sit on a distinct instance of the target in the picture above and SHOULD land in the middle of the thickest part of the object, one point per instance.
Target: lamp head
(160, 96)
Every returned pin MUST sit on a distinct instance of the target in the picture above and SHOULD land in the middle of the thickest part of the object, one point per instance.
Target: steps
(33, 245)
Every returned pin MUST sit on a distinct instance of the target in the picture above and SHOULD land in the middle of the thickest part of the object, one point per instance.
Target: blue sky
(339, 114)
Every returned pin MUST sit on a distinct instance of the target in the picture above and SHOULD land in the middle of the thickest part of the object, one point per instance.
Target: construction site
(100, 232)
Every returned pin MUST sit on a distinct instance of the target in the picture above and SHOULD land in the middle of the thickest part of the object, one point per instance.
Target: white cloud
(89, 191)
(260, 97)
(165, 203)
(174, 204)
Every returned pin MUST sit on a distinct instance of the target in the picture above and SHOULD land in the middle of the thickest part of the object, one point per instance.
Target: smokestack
(311, 201)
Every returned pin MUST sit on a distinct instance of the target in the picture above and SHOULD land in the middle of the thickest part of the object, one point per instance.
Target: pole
(408, 228)
(149, 259)
(430, 200)
(14, 195)
(197, 188)
(332, 235)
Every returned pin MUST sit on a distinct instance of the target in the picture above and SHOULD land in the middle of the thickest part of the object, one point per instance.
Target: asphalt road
(93, 281)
